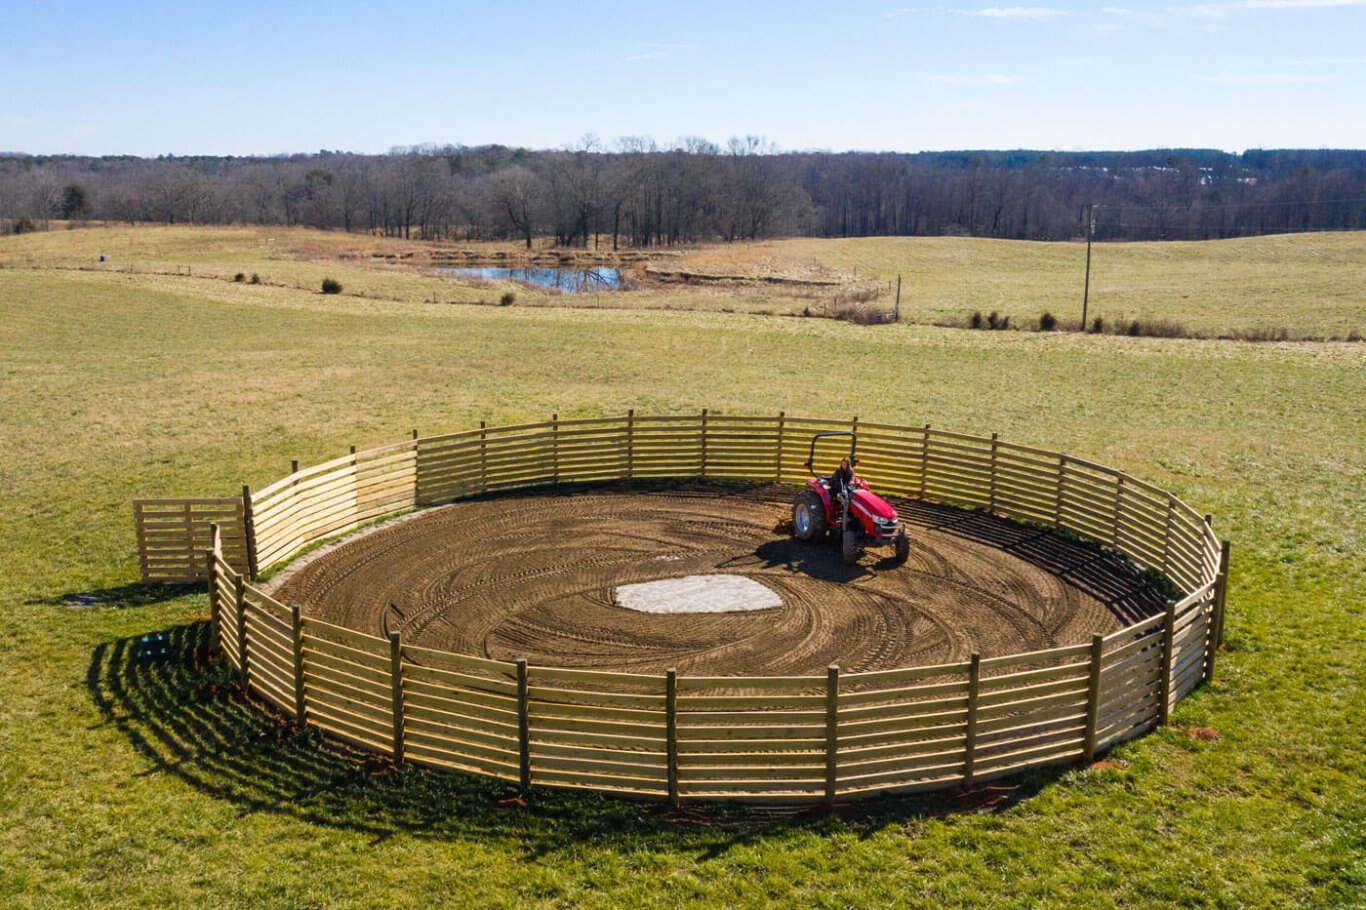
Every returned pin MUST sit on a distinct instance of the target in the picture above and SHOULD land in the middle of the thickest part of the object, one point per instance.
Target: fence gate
(174, 533)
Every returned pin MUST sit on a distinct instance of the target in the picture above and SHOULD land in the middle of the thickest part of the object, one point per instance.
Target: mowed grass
(128, 784)
(1308, 285)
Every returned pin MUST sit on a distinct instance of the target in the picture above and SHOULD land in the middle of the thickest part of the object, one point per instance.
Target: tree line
(639, 194)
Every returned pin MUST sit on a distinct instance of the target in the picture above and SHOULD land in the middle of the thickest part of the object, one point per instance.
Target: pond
(568, 281)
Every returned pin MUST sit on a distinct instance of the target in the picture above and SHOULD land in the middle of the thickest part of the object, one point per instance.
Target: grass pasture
(1308, 285)
(129, 784)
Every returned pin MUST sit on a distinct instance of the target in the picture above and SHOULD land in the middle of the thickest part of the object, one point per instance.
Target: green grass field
(127, 784)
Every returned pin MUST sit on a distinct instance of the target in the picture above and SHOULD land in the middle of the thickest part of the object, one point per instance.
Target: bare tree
(515, 192)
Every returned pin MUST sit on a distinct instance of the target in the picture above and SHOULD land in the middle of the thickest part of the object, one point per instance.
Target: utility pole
(1090, 228)
(897, 316)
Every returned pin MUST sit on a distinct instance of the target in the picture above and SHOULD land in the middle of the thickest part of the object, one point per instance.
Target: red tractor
(860, 517)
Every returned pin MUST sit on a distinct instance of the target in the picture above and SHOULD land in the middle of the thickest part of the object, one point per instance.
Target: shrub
(331, 286)
(1263, 333)
(1167, 328)
(993, 321)
(239, 277)
(975, 320)
(860, 314)
(1097, 326)
(850, 296)
(1135, 328)
(508, 299)
(255, 278)
(24, 225)
(1047, 322)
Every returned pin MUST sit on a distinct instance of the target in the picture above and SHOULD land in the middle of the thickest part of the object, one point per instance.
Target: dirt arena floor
(533, 576)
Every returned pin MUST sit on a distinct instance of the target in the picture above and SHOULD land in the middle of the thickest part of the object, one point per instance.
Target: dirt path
(533, 576)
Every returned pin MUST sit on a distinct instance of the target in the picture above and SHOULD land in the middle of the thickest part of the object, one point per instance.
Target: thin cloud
(1026, 13)
(985, 79)
(1219, 11)
(657, 51)
(1236, 5)
(1328, 61)
(1265, 79)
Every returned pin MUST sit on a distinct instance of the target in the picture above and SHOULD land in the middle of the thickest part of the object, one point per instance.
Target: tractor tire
(851, 547)
(808, 518)
(902, 545)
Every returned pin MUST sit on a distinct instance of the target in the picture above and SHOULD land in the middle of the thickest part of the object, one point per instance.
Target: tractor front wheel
(902, 545)
(851, 547)
(808, 517)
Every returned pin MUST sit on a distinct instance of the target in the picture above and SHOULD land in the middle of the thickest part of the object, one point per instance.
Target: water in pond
(569, 281)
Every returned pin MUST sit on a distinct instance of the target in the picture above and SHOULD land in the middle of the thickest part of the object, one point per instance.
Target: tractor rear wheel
(808, 517)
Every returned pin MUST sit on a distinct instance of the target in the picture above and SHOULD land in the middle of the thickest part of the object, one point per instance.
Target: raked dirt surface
(536, 577)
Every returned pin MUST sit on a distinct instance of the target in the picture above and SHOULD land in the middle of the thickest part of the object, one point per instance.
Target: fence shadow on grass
(186, 714)
(141, 594)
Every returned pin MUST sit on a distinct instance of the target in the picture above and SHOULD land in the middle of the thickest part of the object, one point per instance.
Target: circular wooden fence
(781, 740)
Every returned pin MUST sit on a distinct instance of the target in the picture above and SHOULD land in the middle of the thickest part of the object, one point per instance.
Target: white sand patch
(698, 594)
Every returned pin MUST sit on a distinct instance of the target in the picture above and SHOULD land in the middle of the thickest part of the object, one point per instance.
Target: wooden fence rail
(785, 740)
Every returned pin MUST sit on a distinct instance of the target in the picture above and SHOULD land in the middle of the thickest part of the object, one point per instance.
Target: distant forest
(641, 195)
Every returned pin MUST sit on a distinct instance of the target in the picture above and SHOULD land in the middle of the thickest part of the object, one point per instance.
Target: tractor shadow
(821, 561)
(182, 709)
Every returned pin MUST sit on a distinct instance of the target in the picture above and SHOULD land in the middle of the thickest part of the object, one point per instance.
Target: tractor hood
(873, 506)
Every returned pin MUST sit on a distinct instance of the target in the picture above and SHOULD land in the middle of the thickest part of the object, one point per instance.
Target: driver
(842, 479)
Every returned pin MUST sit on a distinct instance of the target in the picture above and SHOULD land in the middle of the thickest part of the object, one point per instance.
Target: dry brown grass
(1298, 287)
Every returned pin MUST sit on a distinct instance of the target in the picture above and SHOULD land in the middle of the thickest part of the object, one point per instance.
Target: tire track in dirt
(533, 576)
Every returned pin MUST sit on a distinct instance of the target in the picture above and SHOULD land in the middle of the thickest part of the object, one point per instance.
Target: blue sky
(263, 78)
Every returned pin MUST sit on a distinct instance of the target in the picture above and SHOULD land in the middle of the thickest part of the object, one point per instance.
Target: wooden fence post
(483, 457)
(554, 448)
(523, 726)
(296, 622)
(924, 458)
(853, 444)
(1167, 538)
(1093, 698)
(214, 552)
(294, 466)
(991, 494)
(970, 744)
(1057, 502)
(832, 744)
(1168, 655)
(1119, 511)
(778, 455)
(249, 530)
(1216, 620)
(396, 682)
(703, 465)
(630, 444)
(671, 732)
(240, 606)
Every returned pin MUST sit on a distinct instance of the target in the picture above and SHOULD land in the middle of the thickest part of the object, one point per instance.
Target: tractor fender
(827, 501)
